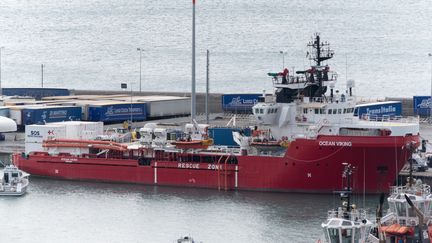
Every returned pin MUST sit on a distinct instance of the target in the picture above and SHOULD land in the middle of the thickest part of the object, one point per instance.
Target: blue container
(117, 112)
(36, 93)
(379, 109)
(42, 115)
(223, 135)
(239, 102)
(422, 105)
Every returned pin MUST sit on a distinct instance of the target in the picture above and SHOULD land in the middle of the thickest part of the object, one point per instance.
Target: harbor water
(66, 211)
(383, 45)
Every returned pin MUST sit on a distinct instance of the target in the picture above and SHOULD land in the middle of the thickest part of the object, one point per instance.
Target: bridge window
(344, 110)
(275, 110)
(261, 111)
(339, 111)
(322, 111)
(401, 209)
(334, 111)
(305, 110)
(330, 111)
(316, 111)
(346, 235)
(334, 235)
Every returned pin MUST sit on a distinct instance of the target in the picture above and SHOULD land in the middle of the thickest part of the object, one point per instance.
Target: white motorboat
(185, 239)
(347, 223)
(14, 181)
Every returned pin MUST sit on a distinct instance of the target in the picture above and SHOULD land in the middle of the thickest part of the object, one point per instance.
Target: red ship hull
(308, 166)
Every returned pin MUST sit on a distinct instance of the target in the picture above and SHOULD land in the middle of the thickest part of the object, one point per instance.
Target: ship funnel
(350, 85)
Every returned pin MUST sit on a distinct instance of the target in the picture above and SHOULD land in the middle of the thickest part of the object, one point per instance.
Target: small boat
(14, 182)
(185, 239)
(409, 215)
(347, 223)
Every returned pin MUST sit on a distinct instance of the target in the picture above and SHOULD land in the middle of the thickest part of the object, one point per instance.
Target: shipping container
(162, 106)
(84, 104)
(17, 100)
(81, 129)
(223, 135)
(167, 108)
(45, 114)
(37, 93)
(4, 111)
(379, 109)
(422, 105)
(117, 112)
(36, 134)
(86, 97)
(39, 133)
(241, 103)
(15, 112)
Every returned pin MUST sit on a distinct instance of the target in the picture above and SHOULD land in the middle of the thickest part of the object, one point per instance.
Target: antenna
(346, 67)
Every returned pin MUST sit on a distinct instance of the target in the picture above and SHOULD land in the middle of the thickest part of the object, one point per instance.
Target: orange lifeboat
(397, 229)
(194, 144)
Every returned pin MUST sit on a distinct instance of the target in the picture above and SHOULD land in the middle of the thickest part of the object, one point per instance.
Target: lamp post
(430, 101)
(42, 67)
(283, 59)
(193, 94)
(1, 90)
(140, 53)
(124, 87)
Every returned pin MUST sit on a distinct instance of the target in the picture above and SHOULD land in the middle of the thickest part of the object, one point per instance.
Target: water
(68, 211)
(92, 44)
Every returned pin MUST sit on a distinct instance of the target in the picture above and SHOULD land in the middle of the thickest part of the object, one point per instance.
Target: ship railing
(419, 190)
(354, 214)
(379, 120)
(298, 79)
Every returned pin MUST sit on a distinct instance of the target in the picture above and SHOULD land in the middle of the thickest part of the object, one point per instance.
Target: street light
(42, 67)
(124, 87)
(140, 51)
(1, 90)
(430, 103)
(283, 59)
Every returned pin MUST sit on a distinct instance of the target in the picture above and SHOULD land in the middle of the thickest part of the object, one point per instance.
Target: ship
(310, 129)
(347, 223)
(409, 215)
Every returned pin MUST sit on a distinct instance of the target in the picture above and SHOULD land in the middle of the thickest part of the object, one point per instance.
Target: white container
(81, 129)
(33, 147)
(15, 114)
(164, 108)
(38, 133)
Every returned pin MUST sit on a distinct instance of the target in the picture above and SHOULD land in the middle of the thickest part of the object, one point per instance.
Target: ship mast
(320, 51)
(347, 188)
